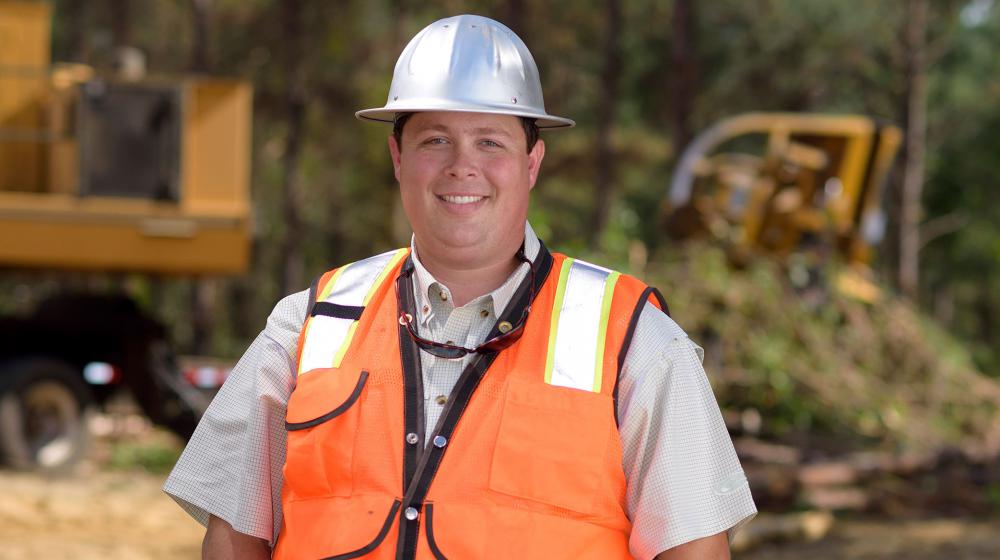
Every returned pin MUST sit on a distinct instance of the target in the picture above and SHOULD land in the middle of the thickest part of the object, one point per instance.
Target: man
(474, 396)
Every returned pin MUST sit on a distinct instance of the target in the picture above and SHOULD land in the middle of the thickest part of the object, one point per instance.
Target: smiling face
(465, 180)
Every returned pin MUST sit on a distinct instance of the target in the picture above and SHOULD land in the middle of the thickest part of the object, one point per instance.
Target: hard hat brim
(385, 114)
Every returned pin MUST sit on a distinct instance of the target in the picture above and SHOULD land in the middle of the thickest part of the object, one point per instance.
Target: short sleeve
(684, 479)
(232, 466)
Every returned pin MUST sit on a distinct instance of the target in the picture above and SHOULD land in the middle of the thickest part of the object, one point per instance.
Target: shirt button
(427, 309)
(444, 295)
(484, 313)
(440, 441)
(504, 327)
(441, 399)
(411, 513)
(412, 438)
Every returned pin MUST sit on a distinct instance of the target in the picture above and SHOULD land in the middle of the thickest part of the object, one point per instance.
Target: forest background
(641, 78)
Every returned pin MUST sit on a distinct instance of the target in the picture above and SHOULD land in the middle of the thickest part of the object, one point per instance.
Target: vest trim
(438, 555)
(312, 298)
(327, 309)
(413, 385)
(632, 324)
(413, 407)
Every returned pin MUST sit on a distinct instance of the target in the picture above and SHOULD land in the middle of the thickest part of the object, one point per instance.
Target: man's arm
(684, 478)
(222, 542)
(231, 467)
(715, 547)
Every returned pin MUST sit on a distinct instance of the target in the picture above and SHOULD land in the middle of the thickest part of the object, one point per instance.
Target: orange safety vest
(525, 461)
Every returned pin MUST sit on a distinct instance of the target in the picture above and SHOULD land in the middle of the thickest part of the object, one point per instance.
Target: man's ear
(394, 150)
(535, 157)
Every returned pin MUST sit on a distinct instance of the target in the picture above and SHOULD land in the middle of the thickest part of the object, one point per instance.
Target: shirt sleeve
(684, 480)
(232, 466)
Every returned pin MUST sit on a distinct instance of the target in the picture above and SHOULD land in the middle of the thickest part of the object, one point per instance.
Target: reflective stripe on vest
(579, 326)
(327, 338)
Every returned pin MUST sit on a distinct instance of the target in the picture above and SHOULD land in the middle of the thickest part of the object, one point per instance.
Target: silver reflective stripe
(327, 338)
(579, 326)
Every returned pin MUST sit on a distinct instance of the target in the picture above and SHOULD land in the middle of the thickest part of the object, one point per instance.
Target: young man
(473, 396)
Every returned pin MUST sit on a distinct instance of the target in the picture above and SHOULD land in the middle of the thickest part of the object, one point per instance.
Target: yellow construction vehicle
(773, 183)
(106, 173)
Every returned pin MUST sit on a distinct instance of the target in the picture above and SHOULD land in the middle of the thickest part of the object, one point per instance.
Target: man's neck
(464, 282)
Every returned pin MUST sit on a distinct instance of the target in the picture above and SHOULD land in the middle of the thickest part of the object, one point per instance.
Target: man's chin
(455, 245)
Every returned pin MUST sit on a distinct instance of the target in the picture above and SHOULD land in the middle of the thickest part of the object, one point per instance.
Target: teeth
(462, 199)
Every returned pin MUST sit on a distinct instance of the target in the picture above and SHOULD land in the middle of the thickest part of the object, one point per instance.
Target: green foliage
(993, 497)
(155, 458)
(961, 267)
(818, 362)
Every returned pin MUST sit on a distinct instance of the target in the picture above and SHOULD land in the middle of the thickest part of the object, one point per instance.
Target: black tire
(44, 405)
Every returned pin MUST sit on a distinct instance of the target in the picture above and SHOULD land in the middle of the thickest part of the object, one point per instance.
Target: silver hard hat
(467, 64)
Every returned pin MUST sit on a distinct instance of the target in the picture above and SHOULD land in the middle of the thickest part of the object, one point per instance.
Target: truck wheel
(43, 409)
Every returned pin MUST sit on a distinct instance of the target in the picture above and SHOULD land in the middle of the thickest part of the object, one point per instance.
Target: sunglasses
(509, 334)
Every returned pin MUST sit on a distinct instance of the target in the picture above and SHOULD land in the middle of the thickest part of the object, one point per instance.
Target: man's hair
(530, 129)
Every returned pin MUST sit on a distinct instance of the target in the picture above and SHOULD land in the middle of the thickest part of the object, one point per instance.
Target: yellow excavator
(781, 183)
(106, 173)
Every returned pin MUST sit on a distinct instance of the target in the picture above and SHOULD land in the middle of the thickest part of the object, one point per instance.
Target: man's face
(464, 179)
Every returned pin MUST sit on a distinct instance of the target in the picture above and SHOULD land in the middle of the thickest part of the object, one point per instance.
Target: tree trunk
(121, 23)
(200, 20)
(913, 166)
(295, 99)
(204, 291)
(515, 17)
(399, 228)
(202, 305)
(606, 117)
(684, 72)
(77, 10)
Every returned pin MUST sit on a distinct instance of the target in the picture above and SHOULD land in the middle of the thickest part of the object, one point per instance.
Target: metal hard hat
(467, 64)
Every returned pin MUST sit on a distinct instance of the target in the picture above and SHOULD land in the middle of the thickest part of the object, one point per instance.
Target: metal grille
(129, 138)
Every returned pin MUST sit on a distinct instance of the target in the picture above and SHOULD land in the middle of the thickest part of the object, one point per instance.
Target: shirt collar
(424, 281)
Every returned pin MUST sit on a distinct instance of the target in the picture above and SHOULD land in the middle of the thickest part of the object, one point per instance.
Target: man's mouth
(461, 199)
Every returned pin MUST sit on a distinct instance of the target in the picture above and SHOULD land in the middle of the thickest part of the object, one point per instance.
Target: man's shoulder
(602, 268)
(659, 324)
(288, 314)
(640, 291)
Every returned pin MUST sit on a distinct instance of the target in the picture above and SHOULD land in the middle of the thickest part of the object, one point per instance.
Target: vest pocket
(368, 548)
(349, 401)
(322, 423)
(552, 445)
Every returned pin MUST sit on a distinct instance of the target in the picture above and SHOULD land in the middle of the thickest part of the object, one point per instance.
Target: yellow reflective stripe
(342, 351)
(325, 292)
(556, 311)
(602, 333)
(400, 254)
(305, 333)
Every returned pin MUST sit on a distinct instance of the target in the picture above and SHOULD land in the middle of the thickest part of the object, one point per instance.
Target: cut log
(807, 525)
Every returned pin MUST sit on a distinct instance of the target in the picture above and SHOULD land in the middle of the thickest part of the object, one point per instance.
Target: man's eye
(435, 140)
(490, 144)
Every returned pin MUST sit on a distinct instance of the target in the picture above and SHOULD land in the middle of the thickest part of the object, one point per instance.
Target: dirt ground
(104, 515)
(111, 508)
(879, 539)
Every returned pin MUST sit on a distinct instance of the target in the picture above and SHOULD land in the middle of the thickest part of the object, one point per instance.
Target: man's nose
(462, 164)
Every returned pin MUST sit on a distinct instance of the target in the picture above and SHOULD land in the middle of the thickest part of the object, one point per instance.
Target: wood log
(807, 525)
